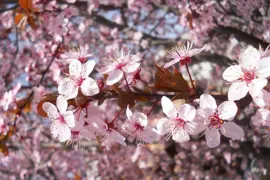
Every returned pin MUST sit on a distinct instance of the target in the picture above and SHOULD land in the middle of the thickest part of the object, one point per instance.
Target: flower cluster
(87, 120)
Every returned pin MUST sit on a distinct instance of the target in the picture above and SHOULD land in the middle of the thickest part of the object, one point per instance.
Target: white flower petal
(249, 59)
(87, 68)
(207, 101)
(168, 107)
(163, 126)
(114, 77)
(69, 119)
(75, 68)
(66, 85)
(237, 91)
(180, 135)
(128, 113)
(131, 67)
(212, 137)
(115, 136)
(50, 109)
(232, 130)
(264, 69)
(233, 73)
(256, 86)
(187, 112)
(262, 99)
(227, 110)
(139, 118)
(60, 131)
(195, 127)
(149, 135)
(89, 87)
(106, 69)
(166, 65)
(61, 104)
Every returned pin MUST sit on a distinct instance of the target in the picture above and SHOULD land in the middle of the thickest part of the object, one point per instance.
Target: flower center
(80, 81)
(120, 66)
(138, 127)
(61, 118)
(185, 61)
(180, 122)
(215, 121)
(249, 76)
(82, 59)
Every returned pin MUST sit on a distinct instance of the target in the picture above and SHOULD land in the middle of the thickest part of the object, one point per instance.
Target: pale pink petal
(212, 137)
(69, 119)
(195, 51)
(87, 68)
(60, 131)
(195, 127)
(61, 104)
(237, 91)
(50, 109)
(207, 102)
(256, 86)
(233, 73)
(116, 137)
(106, 69)
(249, 59)
(75, 68)
(65, 86)
(261, 118)
(187, 112)
(180, 135)
(227, 110)
(262, 99)
(128, 113)
(114, 77)
(168, 107)
(72, 94)
(232, 130)
(89, 87)
(164, 126)
(87, 134)
(166, 65)
(264, 69)
(149, 135)
(131, 67)
(139, 118)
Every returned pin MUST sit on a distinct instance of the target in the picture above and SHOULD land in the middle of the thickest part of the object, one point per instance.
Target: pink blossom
(3, 127)
(262, 99)
(102, 128)
(78, 78)
(62, 120)
(9, 97)
(218, 119)
(182, 54)
(137, 127)
(261, 118)
(180, 122)
(249, 76)
(117, 64)
(81, 54)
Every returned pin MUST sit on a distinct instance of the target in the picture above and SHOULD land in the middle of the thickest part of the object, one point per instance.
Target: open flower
(117, 63)
(81, 54)
(249, 76)
(218, 119)
(62, 120)
(137, 127)
(182, 54)
(261, 118)
(180, 122)
(78, 78)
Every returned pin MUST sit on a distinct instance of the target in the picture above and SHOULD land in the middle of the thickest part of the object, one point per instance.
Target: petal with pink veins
(75, 68)
(89, 87)
(232, 130)
(187, 112)
(233, 73)
(249, 59)
(87, 68)
(212, 137)
(227, 110)
(207, 102)
(168, 107)
(114, 77)
(237, 91)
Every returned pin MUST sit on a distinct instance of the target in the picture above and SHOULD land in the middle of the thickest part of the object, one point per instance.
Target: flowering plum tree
(118, 89)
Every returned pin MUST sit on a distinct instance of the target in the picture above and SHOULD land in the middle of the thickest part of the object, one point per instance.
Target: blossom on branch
(249, 76)
(217, 120)
(180, 122)
(61, 119)
(137, 127)
(81, 54)
(78, 78)
(117, 64)
(182, 54)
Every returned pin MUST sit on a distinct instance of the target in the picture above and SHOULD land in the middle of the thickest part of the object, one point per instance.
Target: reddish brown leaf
(26, 4)
(4, 149)
(21, 20)
(170, 82)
